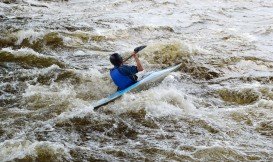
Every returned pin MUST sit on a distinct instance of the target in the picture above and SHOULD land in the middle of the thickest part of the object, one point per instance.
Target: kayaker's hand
(139, 66)
(134, 54)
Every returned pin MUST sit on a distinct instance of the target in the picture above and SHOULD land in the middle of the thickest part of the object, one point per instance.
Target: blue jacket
(124, 76)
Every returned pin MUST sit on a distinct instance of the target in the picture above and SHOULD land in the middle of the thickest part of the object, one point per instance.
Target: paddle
(136, 50)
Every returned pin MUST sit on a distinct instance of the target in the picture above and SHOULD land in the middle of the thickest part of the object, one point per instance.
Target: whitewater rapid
(54, 63)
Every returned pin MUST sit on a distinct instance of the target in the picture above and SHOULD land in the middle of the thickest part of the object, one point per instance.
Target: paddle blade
(137, 49)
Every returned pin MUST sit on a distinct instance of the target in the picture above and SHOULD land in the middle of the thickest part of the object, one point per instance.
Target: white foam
(80, 53)
(23, 52)
(246, 65)
(18, 149)
(267, 104)
(158, 102)
(30, 34)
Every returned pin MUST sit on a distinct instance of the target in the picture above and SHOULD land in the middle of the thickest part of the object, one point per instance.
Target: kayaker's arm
(139, 65)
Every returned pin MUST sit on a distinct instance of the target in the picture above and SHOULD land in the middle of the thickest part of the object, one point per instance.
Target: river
(54, 63)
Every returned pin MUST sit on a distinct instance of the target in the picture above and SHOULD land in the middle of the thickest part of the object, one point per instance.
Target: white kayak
(147, 80)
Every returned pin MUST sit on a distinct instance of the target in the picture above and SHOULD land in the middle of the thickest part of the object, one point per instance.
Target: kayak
(147, 80)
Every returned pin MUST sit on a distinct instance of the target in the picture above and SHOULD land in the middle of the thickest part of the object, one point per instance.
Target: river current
(54, 63)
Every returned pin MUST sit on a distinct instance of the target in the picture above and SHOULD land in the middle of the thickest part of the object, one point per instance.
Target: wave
(28, 58)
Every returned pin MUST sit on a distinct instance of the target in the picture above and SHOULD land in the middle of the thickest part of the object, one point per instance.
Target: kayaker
(125, 75)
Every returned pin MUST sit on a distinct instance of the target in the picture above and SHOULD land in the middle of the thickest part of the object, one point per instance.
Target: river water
(54, 65)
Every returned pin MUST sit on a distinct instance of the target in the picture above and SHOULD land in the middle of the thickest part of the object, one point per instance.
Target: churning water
(54, 65)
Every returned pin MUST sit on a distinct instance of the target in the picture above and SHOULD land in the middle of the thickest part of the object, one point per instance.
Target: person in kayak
(125, 75)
